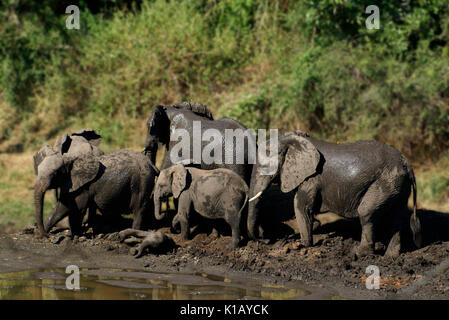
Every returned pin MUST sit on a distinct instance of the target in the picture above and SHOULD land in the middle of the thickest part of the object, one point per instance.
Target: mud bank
(326, 271)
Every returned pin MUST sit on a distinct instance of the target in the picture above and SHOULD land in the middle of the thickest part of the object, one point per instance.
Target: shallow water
(99, 284)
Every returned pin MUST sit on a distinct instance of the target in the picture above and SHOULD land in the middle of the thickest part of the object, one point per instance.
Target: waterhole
(112, 284)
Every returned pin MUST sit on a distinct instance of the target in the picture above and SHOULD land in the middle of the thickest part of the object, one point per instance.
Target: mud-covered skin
(155, 241)
(116, 183)
(365, 179)
(214, 194)
(85, 141)
(165, 119)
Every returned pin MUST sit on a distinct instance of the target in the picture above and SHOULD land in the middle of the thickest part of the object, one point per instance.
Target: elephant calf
(153, 240)
(218, 193)
(114, 183)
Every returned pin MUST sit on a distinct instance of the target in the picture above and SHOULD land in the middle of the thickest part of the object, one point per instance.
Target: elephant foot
(260, 240)
(233, 245)
(394, 247)
(362, 251)
(41, 235)
(136, 252)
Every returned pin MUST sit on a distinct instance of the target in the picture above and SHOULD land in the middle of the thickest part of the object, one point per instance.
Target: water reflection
(113, 284)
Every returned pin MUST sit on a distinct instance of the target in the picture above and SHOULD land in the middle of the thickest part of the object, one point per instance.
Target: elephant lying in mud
(218, 193)
(365, 179)
(155, 241)
(85, 141)
(115, 183)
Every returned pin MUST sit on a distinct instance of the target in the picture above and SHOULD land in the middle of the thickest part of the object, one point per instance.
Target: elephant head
(159, 123)
(85, 141)
(61, 171)
(171, 181)
(298, 160)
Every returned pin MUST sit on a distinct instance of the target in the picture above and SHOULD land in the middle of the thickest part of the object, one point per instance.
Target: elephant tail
(244, 204)
(415, 224)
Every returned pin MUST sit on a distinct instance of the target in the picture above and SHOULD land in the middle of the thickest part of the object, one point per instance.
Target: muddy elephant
(115, 183)
(153, 241)
(364, 179)
(164, 120)
(214, 194)
(85, 141)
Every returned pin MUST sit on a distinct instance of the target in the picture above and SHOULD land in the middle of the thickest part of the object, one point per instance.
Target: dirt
(328, 269)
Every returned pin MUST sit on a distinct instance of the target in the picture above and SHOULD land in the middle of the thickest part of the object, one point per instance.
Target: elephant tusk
(255, 197)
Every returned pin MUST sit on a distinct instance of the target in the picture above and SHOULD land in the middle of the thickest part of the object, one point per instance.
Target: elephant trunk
(252, 218)
(39, 193)
(259, 183)
(150, 149)
(157, 208)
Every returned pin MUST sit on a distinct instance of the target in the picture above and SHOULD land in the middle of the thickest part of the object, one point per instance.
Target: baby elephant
(219, 193)
(153, 240)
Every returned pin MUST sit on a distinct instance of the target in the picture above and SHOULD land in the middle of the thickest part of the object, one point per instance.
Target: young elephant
(218, 193)
(114, 183)
(155, 241)
(85, 141)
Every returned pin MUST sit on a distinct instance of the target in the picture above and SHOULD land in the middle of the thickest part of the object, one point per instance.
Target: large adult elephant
(85, 141)
(363, 179)
(164, 120)
(115, 183)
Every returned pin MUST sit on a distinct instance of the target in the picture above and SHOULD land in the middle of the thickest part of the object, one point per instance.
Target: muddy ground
(328, 269)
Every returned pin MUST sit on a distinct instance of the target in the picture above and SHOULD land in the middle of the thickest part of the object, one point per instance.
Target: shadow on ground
(277, 219)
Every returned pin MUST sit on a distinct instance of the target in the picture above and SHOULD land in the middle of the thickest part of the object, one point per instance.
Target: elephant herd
(367, 180)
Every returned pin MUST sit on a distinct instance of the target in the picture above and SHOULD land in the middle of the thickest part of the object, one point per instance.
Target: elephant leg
(184, 206)
(141, 207)
(77, 209)
(91, 216)
(234, 223)
(394, 246)
(304, 217)
(147, 243)
(137, 220)
(59, 212)
(132, 232)
(366, 245)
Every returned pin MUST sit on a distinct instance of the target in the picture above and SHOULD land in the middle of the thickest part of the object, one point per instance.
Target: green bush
(285, 64)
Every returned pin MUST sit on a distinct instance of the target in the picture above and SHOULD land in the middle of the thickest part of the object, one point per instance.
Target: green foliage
(310, 65)
(287, 64)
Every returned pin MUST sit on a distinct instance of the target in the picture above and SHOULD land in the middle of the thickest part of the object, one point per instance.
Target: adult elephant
(363, 179)
(84, 141)
(164, 120)
(115, 183)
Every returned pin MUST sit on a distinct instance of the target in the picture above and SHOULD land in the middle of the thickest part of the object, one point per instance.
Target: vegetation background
(282, 64)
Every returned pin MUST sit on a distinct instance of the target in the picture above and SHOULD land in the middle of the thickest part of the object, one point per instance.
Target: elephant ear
(40, 156)
(179, 179)
(62, 143)
(83, 170)
(90, 135)
(301, 161)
